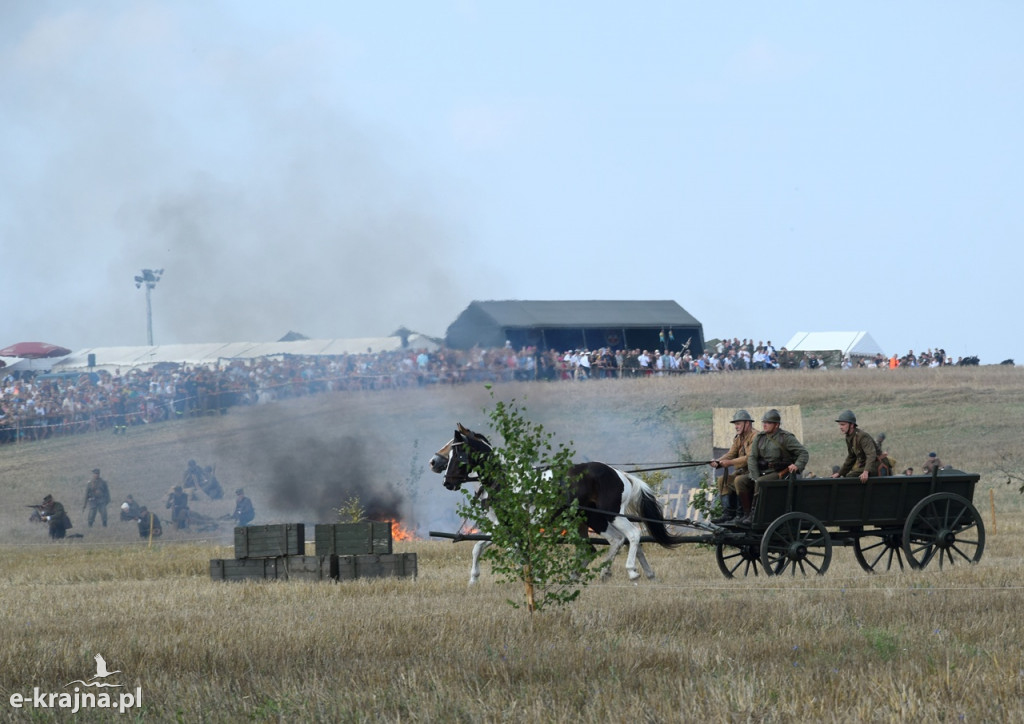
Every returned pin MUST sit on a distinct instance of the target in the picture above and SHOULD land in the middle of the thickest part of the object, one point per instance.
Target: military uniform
(862, 454)
(738, 480)
(149, 523)
(772, 453)
(97, 498)
(130, 509)
(177, 502)
(56, 518)
(244, 511)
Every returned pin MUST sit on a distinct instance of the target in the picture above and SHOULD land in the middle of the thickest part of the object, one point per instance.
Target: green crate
(352, 539)
(399, 565)
(235, 569)
(270, 541)
(308, 568)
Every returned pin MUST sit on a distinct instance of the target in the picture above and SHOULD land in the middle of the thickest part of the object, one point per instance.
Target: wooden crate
(235, 569)
(308, 568)
(401, 565)
(352, 539)
(270, 541)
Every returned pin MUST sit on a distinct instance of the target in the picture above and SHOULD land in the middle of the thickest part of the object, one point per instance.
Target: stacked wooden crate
(342, 552)
(363, 550)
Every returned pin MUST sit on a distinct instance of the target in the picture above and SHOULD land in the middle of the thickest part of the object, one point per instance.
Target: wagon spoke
(741, 560)
(960, 552)
(796, 541)
(936, 527)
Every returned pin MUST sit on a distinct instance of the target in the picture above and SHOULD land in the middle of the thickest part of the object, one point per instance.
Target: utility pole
(149, 278)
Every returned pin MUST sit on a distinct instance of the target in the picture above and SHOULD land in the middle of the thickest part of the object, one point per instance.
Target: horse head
(458, 458)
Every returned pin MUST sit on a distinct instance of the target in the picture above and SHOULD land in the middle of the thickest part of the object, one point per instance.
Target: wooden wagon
(889, 521)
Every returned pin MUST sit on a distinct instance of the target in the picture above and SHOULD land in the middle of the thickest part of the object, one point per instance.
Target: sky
(344, 169)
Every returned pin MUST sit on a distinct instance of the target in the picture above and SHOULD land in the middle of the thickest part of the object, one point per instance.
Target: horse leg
(615, 543)
(474, 569)
(648, 571)
(632, 533)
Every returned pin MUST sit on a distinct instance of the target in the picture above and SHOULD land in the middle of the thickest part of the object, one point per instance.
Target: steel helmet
(741, 416)
(847, 416)
(771, 416)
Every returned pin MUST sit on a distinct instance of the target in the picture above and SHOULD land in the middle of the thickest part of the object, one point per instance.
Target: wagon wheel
(943, 525)
(738, 560)
(793, 541)
(884, 551)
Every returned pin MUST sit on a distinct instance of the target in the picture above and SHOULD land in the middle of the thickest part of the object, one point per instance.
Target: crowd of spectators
(36, 406)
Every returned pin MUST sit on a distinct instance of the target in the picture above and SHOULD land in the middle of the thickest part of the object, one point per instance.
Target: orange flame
(400, 532)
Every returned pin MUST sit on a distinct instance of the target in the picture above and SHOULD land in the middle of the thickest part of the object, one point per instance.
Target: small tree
(536, 536)
(351, 511)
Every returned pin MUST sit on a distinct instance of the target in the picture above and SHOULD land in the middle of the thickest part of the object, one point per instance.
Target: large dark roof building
(576, 325)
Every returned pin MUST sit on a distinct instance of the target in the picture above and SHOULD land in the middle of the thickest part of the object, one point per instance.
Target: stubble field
(925, 645)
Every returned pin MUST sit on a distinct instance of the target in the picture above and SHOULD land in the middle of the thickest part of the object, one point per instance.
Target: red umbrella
(34, 350)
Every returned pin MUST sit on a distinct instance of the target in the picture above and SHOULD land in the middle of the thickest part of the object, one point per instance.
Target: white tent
(852, 344)
(110, 358)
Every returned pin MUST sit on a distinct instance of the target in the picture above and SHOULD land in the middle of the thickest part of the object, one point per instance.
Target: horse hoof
(650, 576)
(633, 575)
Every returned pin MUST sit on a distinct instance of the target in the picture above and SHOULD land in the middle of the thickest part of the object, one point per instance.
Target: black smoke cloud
(144, 136)
(313, 478)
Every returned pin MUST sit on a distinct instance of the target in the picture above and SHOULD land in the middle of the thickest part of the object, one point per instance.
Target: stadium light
(148, 278)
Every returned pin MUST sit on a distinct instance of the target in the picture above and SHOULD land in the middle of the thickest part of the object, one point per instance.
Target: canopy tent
(110, 358)
(848, 344)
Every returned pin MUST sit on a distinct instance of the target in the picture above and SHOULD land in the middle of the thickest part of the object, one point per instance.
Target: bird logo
(101, 673)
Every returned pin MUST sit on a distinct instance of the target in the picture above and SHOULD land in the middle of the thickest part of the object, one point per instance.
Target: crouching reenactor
(862, 455)
(177, 503)
(129, 509)
(53, 514)
(149, 524)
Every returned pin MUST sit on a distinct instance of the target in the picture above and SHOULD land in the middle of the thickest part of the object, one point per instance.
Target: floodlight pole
(149, 278)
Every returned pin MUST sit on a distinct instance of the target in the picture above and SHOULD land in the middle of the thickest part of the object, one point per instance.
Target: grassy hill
(927, 645)
(299, 459)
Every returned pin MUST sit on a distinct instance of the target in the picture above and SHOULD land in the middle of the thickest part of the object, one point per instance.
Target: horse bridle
(456, 472)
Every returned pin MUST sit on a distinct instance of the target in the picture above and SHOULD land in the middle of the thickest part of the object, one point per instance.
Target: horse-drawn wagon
(905, 520)
(909, 520)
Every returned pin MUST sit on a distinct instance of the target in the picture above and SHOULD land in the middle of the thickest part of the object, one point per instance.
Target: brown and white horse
(605, 495)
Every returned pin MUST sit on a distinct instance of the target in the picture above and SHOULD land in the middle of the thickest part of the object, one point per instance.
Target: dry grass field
(915, 646)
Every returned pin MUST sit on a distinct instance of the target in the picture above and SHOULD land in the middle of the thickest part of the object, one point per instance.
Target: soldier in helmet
(735, 487)
(97, 498)
(177, 503)
(862, 454)
(244, 511)
(56, 518)
(773, 454)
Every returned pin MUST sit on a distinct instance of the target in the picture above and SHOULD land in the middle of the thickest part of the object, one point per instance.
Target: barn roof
(589, 313)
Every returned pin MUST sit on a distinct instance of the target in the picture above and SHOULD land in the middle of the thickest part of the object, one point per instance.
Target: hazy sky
(341, 169)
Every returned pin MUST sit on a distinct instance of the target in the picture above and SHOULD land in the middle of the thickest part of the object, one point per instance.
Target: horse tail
(644, 505)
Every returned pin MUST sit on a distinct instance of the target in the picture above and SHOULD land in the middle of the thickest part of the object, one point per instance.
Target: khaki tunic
(770, 453)
(737, 461)
(862, 453)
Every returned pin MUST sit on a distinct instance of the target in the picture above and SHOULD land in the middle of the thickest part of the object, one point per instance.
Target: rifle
(37, 513)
